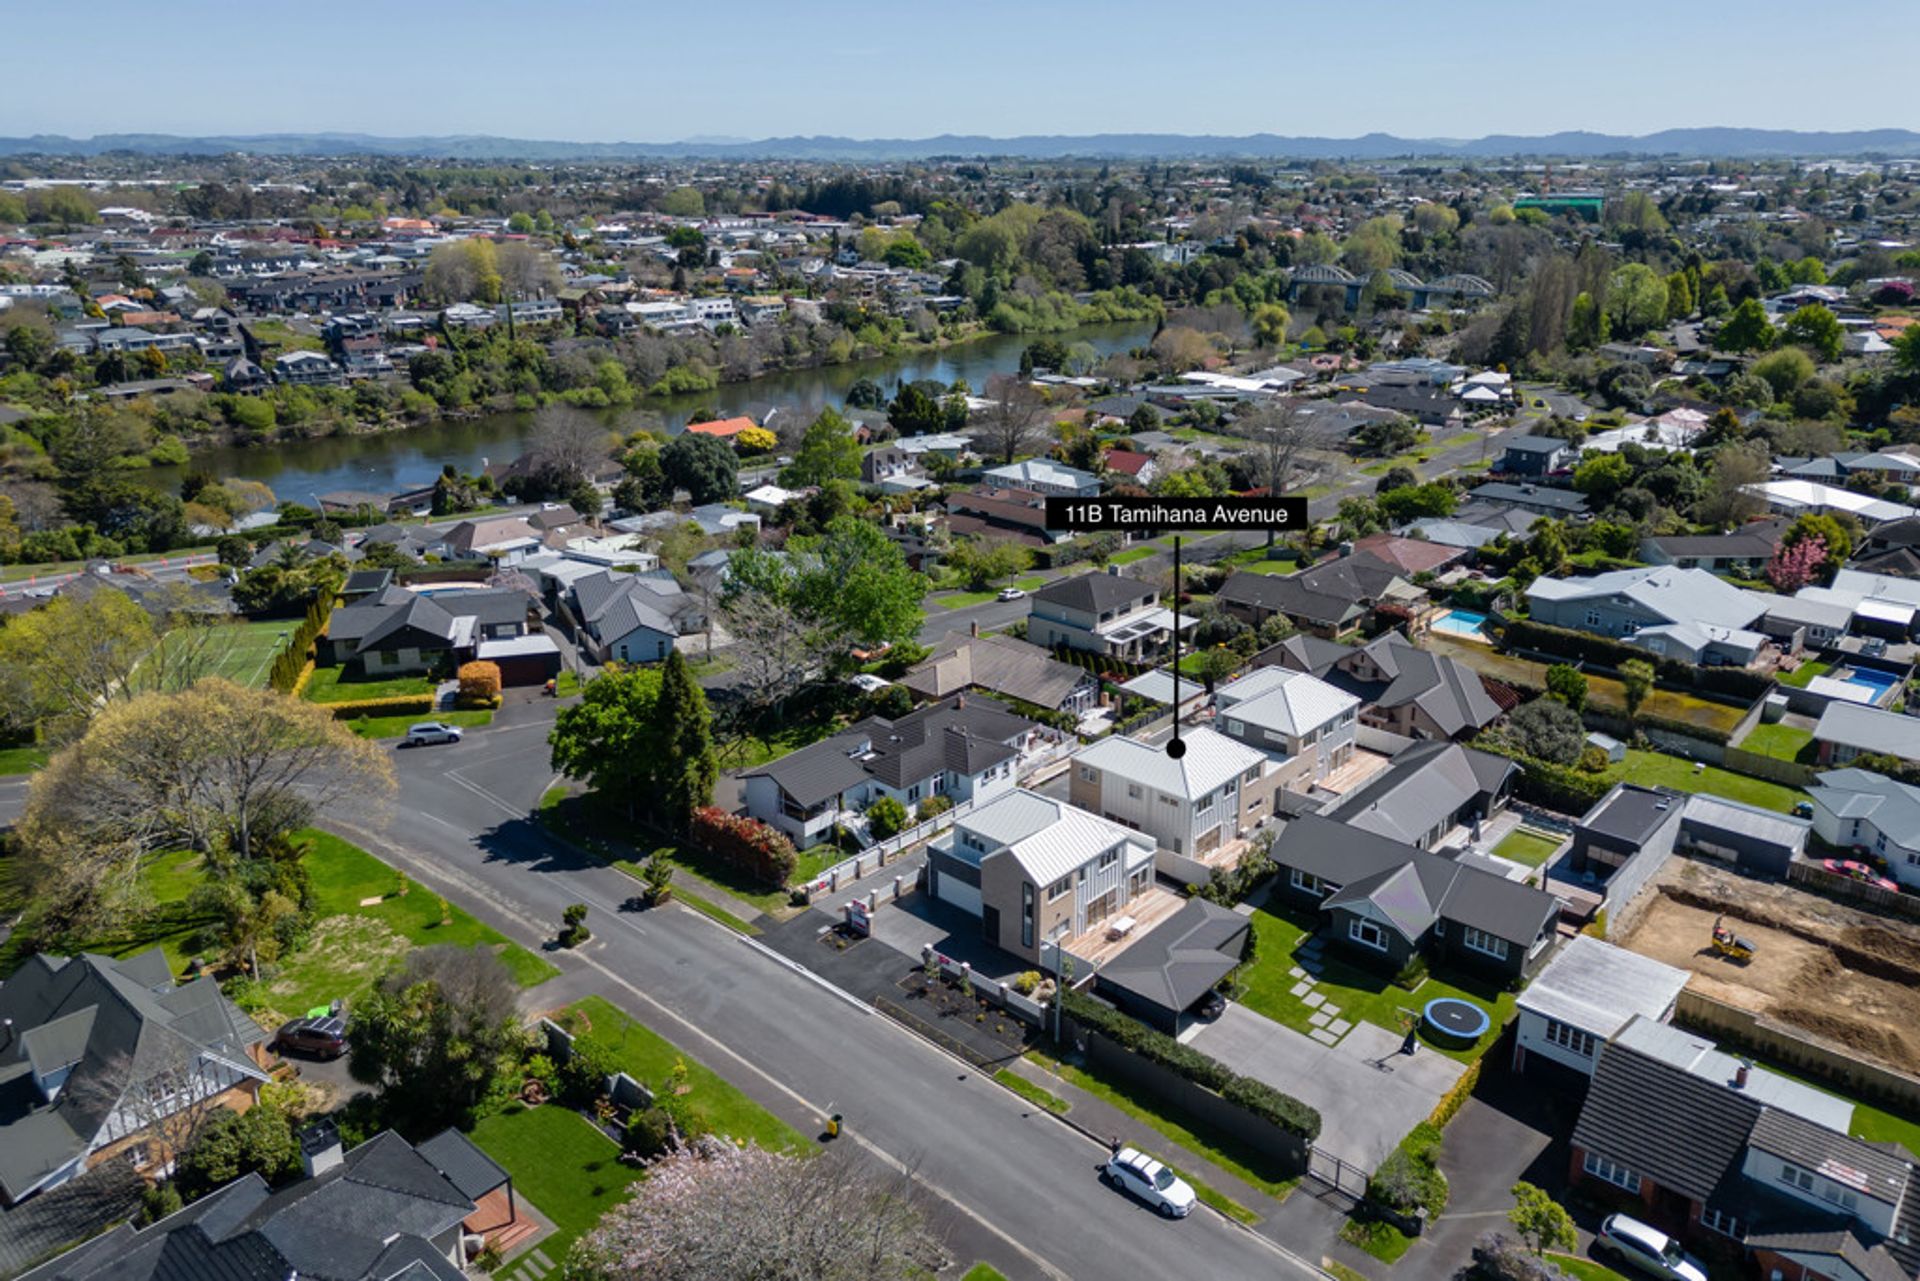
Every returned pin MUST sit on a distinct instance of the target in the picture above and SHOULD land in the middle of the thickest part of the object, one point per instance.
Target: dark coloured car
(1211, 1006)
(323, 1038)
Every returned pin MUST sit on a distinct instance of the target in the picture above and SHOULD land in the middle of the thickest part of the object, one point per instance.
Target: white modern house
(1191, 805)
(1102, 614)
(1302, 723)
(1855, 807)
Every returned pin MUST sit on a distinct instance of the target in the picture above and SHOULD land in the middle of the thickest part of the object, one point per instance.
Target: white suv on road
(432, 732)
(1142, 1177)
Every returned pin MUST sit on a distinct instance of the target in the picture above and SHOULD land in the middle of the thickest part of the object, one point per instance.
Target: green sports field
(241, 652)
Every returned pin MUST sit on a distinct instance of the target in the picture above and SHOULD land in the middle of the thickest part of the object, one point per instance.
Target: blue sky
(652, 72)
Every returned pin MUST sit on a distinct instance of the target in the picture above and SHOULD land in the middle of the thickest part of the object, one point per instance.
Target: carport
(523, 660)
(1162, 976)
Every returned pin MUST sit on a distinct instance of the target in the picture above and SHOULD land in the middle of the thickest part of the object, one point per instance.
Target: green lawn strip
(961, 600)
(1651, 769)
(1341, 1272)
(567, 684)
(333, 685)
(579, 820)
(1032, 582)
(1032, 1093)
(1228, 1151)
(1133, 554)
(1217, 1200)
(22, 760)
(1361, 994)
(1583, 1269)
(1802, 676)
(397, 726)
(1528, 847)
(706, 907)
(711, 1101)
(560, 1163)
(1381, 1240)
(983, 1272)
(1781, 741)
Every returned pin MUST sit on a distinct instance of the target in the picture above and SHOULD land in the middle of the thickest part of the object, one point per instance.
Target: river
(387, 462)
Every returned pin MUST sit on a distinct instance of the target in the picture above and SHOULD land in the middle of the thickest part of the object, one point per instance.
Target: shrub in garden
(746, 844)
(651, 1132)
(886, 817)
(479, 684)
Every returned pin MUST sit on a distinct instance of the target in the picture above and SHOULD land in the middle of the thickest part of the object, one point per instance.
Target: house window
(1367, 933)
(1793, 1176)
(1483, 942)
(1088, 774)
(1571, 1038)
(1593, 618)
(913, 793)
(1306, 881)
(388, 658)
(1133, 791)
(1026, 914)
(1720, 1221)
(1109, 858)
(1236, 728)
(1612, 1171)
(1060, 888)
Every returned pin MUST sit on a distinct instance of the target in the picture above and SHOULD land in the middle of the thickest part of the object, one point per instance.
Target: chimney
(320, 1148)
(1740, 1075)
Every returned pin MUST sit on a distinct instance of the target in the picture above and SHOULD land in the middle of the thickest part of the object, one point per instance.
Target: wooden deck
(1147, 909)
(501, 1221)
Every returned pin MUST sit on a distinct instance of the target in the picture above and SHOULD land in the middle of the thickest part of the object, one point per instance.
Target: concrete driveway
(1368, 1093)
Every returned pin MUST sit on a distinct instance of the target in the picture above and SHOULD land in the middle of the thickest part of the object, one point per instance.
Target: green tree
(257, 1141)
(689, 765)
(435, 1033)
(886, 817)
(610, 737)
(683, 202)
(1784, 370)
(1816, 329)
(1747, 329)
(1636, 680)
(1416, 502)
(1565, 683)
(1602, 476)
(858, 577)
(828, 451)
(1636, 299)
(1839, 543)
(520, 224)
(1906, 350)
(702, 465)
(915, 412)
(1680, 300)
(60, 663)
(1587, 326)
(1541, 1221)
(1269, 321)
(983, 562)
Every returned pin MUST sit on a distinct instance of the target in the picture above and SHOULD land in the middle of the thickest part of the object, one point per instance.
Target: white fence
(1003, 994)
(880, 853)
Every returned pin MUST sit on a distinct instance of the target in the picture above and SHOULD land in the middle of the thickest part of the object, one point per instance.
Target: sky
(642, 71)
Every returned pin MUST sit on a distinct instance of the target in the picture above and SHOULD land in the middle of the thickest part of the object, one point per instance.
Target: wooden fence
(1815, 877)
(1798, 1052)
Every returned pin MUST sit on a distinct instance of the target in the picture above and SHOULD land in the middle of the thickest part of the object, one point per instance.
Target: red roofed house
(724, 428)
(1132, 464)
(1410, 555)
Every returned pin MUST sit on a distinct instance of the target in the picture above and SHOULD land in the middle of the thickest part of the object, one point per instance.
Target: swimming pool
(1462, 622)
(1877, 682)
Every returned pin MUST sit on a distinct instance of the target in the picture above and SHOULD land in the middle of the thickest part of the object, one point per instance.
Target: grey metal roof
(1834, 1250)
(1181, 959)
(1212, 759)
(1535, 444)
(1424, 783)
(1704, 812)
(1869, 729)
(1564, 500)
(1600, 988)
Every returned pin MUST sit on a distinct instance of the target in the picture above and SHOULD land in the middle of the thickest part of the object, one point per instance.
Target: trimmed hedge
(747, 844)
(1735, 682)
(1561, 788)
(398, 705)
(1257, 1097)
(290, 665)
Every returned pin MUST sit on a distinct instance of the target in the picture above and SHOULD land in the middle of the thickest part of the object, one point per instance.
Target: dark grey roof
(465, 1166)
(1304, 652)
(367, 580)
(1680, 1130)
(1095, 593)
(1563, 500)
(1833, 1250)
(1631, 814)
(500, 605)
(1757, 539)
(1868, 1169)
(1535, 444)
(1182, 957)
(1288, 594)
(1424, 783)
(997, 663)
(1451, 694)
(960, 734)
(817, 772)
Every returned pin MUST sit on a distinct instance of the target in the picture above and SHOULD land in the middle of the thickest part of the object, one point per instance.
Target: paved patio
(1368, 1093)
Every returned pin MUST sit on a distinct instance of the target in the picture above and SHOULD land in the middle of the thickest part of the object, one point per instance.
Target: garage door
(957, 892)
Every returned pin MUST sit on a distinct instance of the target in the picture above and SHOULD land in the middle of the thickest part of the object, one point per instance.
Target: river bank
(386, 460)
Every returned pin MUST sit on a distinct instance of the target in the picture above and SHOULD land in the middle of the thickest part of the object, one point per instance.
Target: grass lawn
(1030, 1092)
(560, 1163)
(628, 845)
(960, 600)
(1341, 1272)
(1603, 691)
(1382, 1240)
(397, 726)
(1361, 994)
(1031, 583)
(1583, 1269)
(1781, 741)
(1651, 769)
(1524, 845)
(21, 760)
(1802, 676)
(333, 685)
(1228, 1151)
(352, 944)
(241, 652)
(752, 751)
(983, 1272)
(1133, 554)
(710, 1101)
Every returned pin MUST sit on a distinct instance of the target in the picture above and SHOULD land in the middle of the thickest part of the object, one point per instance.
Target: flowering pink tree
(1795, 564)
(712, 1209)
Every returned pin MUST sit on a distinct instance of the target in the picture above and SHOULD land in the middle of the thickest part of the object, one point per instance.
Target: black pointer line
(1176, 749)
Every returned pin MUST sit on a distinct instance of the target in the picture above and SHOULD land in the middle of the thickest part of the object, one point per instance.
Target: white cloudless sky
(637, 70)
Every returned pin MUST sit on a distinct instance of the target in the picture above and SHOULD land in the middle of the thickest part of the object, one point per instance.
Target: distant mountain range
(1689, 143)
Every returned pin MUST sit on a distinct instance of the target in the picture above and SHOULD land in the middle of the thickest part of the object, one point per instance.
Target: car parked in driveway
(1147, 1180)
(1647, 1250)
(431, 732)
(321, 1038)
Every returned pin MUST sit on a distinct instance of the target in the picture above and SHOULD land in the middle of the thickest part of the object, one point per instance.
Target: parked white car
(1647, 1249)
(431, 732)
(1011, 593)
(1145, 1179)
(868, 683)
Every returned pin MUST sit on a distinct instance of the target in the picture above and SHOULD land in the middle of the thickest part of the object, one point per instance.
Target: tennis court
(241, 652)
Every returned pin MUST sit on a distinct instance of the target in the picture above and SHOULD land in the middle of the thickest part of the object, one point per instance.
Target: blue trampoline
(1455, 1022)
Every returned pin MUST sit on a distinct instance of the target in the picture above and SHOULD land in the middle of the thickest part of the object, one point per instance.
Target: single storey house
(1856, 809)
(1847, 730)
(1160, 977)
(997, 664)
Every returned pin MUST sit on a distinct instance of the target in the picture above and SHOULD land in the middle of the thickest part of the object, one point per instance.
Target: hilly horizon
(1685, 143)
